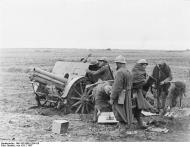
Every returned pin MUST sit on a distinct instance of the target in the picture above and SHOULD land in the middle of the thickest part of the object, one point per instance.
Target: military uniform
(101, 98)
(177, 89)
(139, 75)
(165, 72)
(104, 73)
(94, 66)
(139, 80)
(165, 75)
(123, 80)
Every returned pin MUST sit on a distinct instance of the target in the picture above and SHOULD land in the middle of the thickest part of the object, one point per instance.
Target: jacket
(123, 80)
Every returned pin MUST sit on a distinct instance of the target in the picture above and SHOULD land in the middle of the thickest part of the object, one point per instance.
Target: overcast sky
(138, 24)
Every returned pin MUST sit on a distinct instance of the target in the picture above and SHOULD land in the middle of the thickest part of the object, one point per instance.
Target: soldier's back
(126, 75)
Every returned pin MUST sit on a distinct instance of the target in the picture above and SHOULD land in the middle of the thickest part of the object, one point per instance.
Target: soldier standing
(123, 80)
(139, 80)
(165, 76)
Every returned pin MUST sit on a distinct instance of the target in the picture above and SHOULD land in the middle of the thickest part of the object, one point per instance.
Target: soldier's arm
(170, 74)
(169, 78)
(117, 86)
(99, 71)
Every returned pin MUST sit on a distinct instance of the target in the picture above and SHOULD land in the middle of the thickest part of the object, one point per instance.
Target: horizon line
(157, 49)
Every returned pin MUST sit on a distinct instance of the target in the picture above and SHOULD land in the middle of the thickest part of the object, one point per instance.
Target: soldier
(139, 80)
(94, 66)
(139, 73)
(165, 76)
(123, 80)
(166, 71)
(104, 73)
(176, 93)
(101, 95)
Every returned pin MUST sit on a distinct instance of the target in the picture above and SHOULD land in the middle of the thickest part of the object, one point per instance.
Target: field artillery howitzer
(64, 87)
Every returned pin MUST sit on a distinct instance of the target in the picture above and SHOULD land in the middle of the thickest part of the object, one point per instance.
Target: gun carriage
(64, 87)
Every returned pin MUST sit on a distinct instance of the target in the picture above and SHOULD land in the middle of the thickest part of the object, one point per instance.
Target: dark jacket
(104, 73)
(165, 72)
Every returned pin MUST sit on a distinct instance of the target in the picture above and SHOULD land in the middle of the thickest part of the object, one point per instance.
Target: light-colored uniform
(123, 80)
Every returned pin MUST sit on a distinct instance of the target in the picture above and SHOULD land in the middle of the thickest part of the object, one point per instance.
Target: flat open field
(21, 123)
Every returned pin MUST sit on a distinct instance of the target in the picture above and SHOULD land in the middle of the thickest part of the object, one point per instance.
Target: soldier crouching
(102, 97)
(176, 92)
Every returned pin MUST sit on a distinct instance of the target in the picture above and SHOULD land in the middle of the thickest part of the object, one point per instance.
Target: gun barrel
(48, 81)
(51, 75)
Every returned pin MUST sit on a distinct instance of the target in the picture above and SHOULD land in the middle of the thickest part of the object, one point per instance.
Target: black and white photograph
(94, 71)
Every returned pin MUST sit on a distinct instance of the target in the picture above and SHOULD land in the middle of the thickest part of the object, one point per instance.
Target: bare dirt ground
(20, 122)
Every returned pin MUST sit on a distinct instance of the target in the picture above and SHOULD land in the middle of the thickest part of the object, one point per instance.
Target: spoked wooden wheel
(80, 99)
